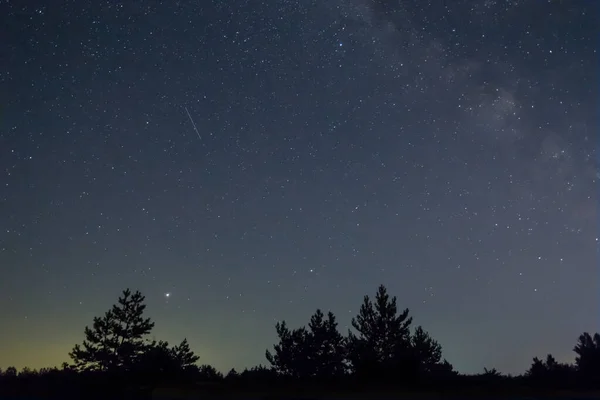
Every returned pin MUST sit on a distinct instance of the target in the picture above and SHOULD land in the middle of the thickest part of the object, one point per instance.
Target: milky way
(447, 151)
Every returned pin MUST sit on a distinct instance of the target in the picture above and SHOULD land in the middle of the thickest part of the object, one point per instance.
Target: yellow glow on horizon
(35, 354)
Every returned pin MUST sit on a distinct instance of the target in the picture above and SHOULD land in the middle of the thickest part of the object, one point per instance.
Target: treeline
(382, 350)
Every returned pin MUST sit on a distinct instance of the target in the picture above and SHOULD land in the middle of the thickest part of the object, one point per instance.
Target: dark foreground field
(210, 392)
(181, 394)
(188, 395)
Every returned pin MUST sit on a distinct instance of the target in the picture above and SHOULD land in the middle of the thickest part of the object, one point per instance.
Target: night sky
(446, 151)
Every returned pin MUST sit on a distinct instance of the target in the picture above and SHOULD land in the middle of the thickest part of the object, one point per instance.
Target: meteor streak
(192, 121)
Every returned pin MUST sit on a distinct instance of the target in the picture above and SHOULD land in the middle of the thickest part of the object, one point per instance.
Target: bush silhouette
(550, 373)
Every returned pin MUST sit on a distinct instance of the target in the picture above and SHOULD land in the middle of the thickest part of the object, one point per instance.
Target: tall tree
(588, 355)
(383, 335)
(326, 347)
(116, 340)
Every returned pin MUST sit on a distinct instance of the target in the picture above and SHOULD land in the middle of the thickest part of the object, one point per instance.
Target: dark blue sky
(447, 151)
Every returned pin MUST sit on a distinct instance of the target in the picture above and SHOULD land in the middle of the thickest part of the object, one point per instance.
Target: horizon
(244, 163)
(224, 369)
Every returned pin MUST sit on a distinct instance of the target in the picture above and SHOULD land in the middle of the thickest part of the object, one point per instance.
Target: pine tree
(383, 339)
(116, 340)
(184, 356)
(157, 359)
(326, 350)
(289, 358)
(427, 351)
(588, 355)
(318, 351)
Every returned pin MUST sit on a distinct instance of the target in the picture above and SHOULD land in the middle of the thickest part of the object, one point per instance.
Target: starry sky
(243, 162)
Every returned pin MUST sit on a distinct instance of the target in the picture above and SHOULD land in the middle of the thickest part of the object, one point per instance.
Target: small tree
(427, 351)
(491, 374)
(232, 375)
(184, 356)
(258, 374)
(550, 372)
(290, 356)
(27, 372)
(443, 370)
(537, 370)
(118, 339)
(209, 373)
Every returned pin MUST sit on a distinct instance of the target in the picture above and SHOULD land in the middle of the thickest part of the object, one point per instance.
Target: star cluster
(245, 162)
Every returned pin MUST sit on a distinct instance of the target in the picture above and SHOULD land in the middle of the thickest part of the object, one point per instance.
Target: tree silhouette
(157, 360)
(492, 373)
(259, 373)
(184, 356)
(588, 355)
(550, 372)
(27, 372)
(232, 375)
(326, 347)
(290, 358)
(65, 366)
(316, 352)
(538, 369)
(160, 362)
(209, 373)
(381, 345)
(426, 350)
(383, 341)
(116, 340)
